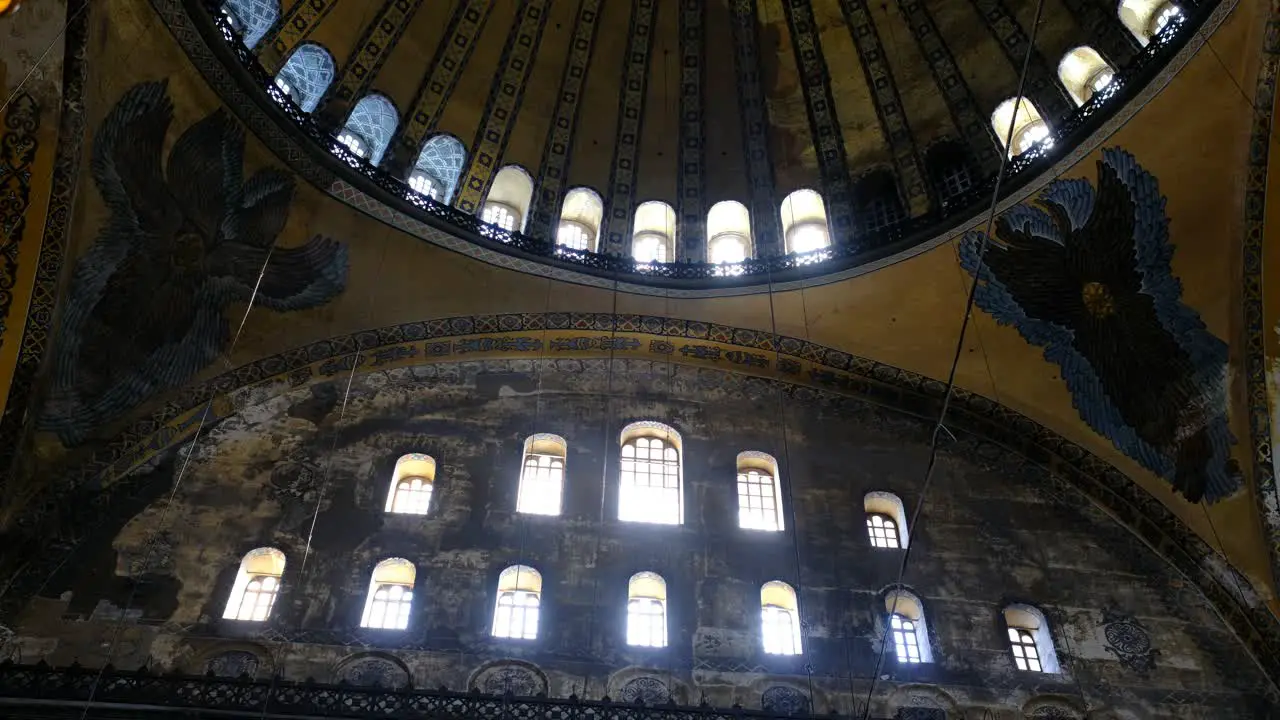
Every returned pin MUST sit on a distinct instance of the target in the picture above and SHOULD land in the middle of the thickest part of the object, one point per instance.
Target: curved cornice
(985, 431)
(218, 64)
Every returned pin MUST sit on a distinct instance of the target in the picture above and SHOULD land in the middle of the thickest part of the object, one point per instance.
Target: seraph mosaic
(186, 236)
(1086, 276)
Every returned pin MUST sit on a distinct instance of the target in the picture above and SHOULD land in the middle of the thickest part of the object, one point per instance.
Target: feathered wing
(262, 209)
(204, 172)
(1030, 263)
(294, 278)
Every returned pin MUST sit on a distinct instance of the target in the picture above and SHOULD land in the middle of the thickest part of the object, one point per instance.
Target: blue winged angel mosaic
(1086, 276)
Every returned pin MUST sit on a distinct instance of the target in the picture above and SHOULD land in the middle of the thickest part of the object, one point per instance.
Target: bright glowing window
(654, 232)
(883, 531)
(907, 627)
(512, 191)
(886, 520)
(257, 583)
(542, 475)
(573, 236)
(1028, 127)
(306, 75)
(649, 248)
(759, 499)
(779, 619)
(411, 485)
(1164, 17)
(906, 643)
(390, 596)
(1147, 18)
(647, 610)
(354, 143)
(441, 159)
(518, 607)
(422, 183)
(1083, 72)
(500, 215)
(728, 232)
(649, 478)
(1029, 639)
(284, 87)
(580, 218)
(727, 248)
(372, 122)
(804, 222)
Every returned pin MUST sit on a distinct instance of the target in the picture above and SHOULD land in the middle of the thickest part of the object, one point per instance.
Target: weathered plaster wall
(1134, 637)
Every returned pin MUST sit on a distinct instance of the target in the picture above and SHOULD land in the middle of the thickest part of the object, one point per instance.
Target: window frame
(522, 603)
(402, 603)
(361, 147)
(887, 524)
(587, 236)
(764, 468)
(906, 639)
(255, 566)
(632, 494)
(503, 211)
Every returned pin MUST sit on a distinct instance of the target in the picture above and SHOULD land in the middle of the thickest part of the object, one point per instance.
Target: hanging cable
(940, 425)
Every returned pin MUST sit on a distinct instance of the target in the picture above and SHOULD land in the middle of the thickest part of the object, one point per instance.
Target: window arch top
(647, 610)
(780, 618)
(520, 577)
(256, 585)
(888, 507)
(542, 475)
(654, 233)
(1023, 117)
(649, 478)
(512, 188)
(440, 162)
(412, 484)
(759, 492)
(651, 429)
(255, 18)
(907, 627)
(1146, 18)
(373, 121)
(804, 222)
(307, 75)
(1030, 640)
(519, 603)
(728, 232)
(390, 596)
(647, 584)
(580, 216)
(1083, 72)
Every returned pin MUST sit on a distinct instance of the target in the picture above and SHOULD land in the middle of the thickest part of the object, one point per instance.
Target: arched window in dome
(306, 75)
(515, 614)
(779, 618)
(647, 610)
(257, 583)
(411, 485)
(251, 18)
(390, 596)
(1029, 128)
(369, 127)
(1083, 72)
(728, 232)
(435, 173)
(1030, 640)
(949, 169)
(580, 218)
(759, 492)
(878, 204)
(507, 204)
(1148, 18)
(649, 482)
(542, 475)
(653, 239)
(804, 222)
(886, 520)
(907, 629)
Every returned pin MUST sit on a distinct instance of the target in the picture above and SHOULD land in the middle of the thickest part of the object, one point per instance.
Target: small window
(1030, 640)
(1029, 129)
(649, 478)
(356, 144)
(390, 595)
(580, 218)
(804, 222)
(728, 232)
(507, 204)
(647, 610)
(257, 583)
(369, 127)
(516, 612)
(306, 75)
(1083, 72)
(440, 162)
(878, 205)
(1163, 17)
(759, 498)
(653, 238)
(886, 520)
(907, 628)
(1148, 18)
(411, 485)
(780, 619)
(498, 214)
(542, 475)
(421, 183)
(949, 170)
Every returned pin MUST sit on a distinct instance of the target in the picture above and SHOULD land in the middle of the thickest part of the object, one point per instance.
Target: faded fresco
(187, 235)
(1086, 276)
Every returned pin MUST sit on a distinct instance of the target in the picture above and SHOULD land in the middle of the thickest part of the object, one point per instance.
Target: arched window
(1030, 640)
(804, 222)
(1028, 127)
(256, 586)
(878, 205)
(779, 619)
(251, 18)
(649, 481)
(907, 627)
(653, 238)
(1147, 18)
(515, 614)
(369, 127)
(759, 493)
(435, 173)
(728, 232)
(647, 610)
(542, 475)
(390, 595)
(886, 520)
(507, 204)
(1083, 72)
(948, 166)
(411, 485)
(306, 75)
(580, 218)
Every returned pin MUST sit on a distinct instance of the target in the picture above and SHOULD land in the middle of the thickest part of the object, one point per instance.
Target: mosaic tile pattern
(619, 205)
(442, 158)
(548, 192)
(691, 183)
(504, 103)
(294, 28)
(437, 86)
(766, 230)
(308, 72)
(1042, 85)
(884, 92)
(18, 143)
(828, 139)
(255, 16)
(374, 119)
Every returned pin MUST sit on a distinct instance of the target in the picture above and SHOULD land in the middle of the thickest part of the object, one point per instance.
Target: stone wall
(308, 473)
